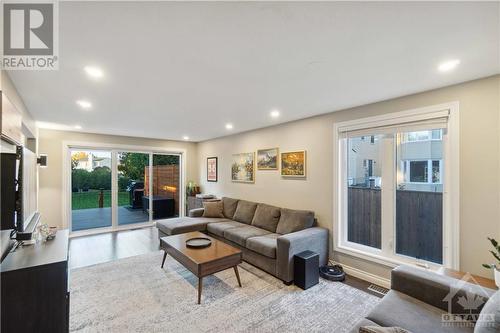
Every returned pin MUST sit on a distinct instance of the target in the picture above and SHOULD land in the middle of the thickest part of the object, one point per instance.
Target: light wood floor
(95, 249)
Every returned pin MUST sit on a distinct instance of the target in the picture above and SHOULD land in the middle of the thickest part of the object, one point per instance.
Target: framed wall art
(243, 168)
(267, 159)
(212, 169)
(293, 164)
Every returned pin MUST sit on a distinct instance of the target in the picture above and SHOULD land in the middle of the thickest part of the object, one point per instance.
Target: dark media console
(35, 289)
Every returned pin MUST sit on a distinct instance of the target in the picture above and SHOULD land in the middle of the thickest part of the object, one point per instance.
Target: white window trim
(114, 148)
(451, 190)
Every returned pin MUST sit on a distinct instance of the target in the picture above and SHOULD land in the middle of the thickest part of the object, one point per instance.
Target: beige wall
(479, 165)
(51, 178)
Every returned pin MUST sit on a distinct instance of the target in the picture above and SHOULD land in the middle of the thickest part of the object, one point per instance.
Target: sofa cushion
(212, 209)
(489, 319)
(182, 225)
(401, 310)
(245, 211)
(219, 227)
(240, 235)
(229, 206)
(266, 217)
(294, 220)
(265, 245)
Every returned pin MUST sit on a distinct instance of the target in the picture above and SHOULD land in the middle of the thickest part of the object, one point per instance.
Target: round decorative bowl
(198, 242)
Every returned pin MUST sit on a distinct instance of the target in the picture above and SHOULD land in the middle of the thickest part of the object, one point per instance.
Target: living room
(251, 166)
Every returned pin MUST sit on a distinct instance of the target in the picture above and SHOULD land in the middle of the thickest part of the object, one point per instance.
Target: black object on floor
(332, 273)
(305, 269)
(163, 207)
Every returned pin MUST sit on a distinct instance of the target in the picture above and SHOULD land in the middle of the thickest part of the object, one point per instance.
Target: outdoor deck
(101, 217)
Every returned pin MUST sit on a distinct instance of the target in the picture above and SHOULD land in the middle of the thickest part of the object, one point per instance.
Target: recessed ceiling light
(78, 127)
(185, 137)
(229, 126)
(84, 104)
(275, 113)
(93, 72)
(448, 65)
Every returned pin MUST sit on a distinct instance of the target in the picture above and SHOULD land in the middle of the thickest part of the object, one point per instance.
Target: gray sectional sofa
(268, 236)
(419, 299)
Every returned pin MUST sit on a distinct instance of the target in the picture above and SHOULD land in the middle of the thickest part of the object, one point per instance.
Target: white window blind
(438, 120)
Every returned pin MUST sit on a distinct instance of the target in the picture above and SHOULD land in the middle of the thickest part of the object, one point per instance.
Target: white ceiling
(178, 68)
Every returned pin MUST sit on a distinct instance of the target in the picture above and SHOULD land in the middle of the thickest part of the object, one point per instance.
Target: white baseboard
(375, 279)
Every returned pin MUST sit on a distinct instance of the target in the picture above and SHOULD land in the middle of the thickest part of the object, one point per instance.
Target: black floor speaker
(306, 269)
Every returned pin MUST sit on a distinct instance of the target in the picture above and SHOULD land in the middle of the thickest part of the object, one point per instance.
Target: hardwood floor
(95, 249)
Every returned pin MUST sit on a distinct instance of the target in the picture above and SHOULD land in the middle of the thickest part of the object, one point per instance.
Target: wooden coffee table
(201, 262)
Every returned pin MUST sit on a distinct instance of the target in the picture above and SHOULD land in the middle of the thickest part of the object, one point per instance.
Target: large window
(391, 179)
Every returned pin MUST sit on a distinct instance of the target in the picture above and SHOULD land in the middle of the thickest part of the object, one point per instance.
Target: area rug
(136, 295)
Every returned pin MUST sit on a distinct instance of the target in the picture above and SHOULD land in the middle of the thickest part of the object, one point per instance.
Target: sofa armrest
(435, 289)
(313, 239)
(197, 212)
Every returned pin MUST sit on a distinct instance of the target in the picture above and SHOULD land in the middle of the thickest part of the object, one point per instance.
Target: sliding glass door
(119, 188)
(90, 189)
(132, 170)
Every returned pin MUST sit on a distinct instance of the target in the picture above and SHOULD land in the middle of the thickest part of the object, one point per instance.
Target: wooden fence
(364, 216)
(419, 221)
(165, 182)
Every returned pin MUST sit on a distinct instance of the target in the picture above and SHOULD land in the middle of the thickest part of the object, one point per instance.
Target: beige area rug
(136, 295)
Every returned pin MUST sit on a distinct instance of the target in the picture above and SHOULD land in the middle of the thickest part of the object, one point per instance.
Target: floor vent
(377, 289)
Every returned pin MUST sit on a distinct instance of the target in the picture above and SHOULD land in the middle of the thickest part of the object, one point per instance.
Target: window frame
(451, 190)
(429, 171)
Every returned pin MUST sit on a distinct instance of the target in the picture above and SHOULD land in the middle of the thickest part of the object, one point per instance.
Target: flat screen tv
(18, 190)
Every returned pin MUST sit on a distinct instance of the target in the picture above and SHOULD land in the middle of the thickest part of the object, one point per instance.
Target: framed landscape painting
(293, 164)
(212, 169)
(243, 168)
(267, 159)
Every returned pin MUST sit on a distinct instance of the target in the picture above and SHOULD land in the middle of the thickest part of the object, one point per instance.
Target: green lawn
(90, 199)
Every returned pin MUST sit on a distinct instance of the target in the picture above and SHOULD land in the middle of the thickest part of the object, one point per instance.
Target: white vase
(497, 277)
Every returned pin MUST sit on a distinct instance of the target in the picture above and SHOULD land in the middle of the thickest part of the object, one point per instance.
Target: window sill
(383, 260)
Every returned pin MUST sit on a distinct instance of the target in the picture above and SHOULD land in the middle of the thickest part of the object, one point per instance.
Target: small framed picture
(243, 168)
(211, 169)
(293, 164)
(267, 159)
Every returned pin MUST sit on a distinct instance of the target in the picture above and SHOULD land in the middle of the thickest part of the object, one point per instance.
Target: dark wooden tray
(198, 242)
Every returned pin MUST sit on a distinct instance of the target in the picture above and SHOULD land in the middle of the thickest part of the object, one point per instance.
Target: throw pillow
(212, 209)
(294, 220)
(245, 211)
(266, 217)
(229, 206)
